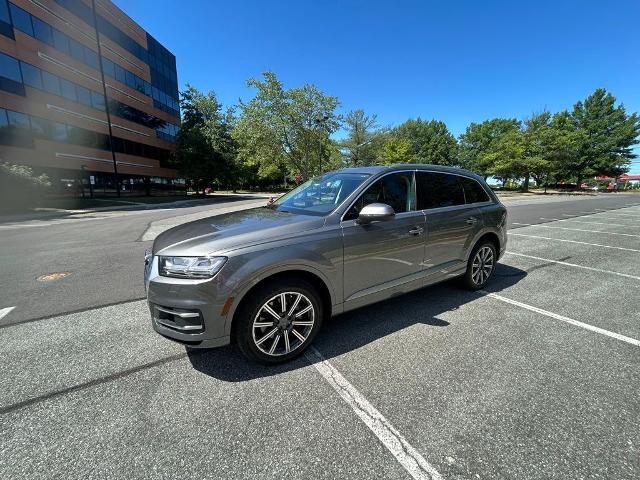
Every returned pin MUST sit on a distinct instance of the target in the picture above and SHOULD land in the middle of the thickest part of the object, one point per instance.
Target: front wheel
(481, 265)
(278, 321)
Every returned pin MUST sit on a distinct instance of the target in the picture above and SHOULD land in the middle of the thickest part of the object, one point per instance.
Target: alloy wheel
(482, 265)
(283, 323)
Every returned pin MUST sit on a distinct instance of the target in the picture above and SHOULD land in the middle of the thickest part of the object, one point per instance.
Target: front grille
(179, 319)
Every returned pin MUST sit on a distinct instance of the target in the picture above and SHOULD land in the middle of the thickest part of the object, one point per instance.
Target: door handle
(472, 221)
(416, 231)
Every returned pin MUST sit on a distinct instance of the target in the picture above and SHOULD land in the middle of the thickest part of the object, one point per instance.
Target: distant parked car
(267, 277)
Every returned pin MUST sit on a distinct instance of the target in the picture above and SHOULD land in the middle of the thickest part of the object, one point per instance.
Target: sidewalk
(59, 212)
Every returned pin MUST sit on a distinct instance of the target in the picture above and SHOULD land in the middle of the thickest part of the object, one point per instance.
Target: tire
(481, 265)
(264, 338)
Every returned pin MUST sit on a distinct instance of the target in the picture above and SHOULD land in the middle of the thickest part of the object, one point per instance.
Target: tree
(361, 147)
(605, 135)
(431, 142)
(20, 187)
(476, 143)
(397, 150)
(507, 156)
(205, 150)
(286, 130)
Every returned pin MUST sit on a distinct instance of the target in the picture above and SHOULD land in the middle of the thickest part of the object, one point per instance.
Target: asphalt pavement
(535, 378)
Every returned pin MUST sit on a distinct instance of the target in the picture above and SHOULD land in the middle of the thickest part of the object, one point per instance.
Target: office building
(86, 93)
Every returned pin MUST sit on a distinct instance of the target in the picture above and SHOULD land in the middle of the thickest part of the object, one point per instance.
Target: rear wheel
(481, 265)
(278, 321)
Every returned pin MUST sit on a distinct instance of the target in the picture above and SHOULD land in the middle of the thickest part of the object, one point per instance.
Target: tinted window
(84, 95)
(18, 120)
(437, 190)
(58, 131)
(51, 83)
(31, 75)
(108, 67)
(10, 68)
(4, 11)
(21, 20)
(91, 58)
(60, 41)
(40, 127)
(68, 89)
(42, 31)
(97, 100)
(395, 190)
(120, 74)
(77, 50)
(19, 132)
(473, 192)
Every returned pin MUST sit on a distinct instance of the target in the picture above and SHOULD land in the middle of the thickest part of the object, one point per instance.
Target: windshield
(320, 195)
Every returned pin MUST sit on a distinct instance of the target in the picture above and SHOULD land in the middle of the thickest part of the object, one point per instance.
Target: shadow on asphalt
(357, 328)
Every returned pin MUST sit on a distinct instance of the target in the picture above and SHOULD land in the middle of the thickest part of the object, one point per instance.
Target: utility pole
(320, 121)
(106, 100)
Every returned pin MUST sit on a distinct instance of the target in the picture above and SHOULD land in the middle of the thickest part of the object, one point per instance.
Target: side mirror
(375, 212)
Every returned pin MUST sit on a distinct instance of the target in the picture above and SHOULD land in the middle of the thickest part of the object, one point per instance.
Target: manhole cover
(51, 277)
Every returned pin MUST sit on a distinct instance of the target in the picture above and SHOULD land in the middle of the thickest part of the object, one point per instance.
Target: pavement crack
(92, 383)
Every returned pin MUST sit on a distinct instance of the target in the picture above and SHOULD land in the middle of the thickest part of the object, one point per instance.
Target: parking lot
(537, 377)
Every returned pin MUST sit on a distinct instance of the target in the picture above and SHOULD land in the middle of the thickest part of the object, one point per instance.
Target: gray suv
(267, 277)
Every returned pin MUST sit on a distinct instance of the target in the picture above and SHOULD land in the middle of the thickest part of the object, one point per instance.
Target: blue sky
(456, 61)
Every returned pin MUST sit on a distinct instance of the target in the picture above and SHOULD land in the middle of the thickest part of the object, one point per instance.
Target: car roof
(373, 170)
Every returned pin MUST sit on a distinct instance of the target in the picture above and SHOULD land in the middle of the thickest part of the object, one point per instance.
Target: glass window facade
(47, 81)
(21, 20)
(19, 130)
(10, 68)
(22, 78)
(163, 79)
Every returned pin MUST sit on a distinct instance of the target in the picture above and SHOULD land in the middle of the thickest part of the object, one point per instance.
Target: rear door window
(473, 191)
(437, 190)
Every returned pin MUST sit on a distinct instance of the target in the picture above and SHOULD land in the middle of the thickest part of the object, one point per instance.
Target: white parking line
(5, 311)
(594, 223)
(575, 229)
(574, 265)
(562, 318)
(574, 241)
(623, 214)
(403, 452)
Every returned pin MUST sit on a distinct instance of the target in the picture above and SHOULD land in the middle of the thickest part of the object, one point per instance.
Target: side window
(396, 190)
(473, 191)
(436, 190)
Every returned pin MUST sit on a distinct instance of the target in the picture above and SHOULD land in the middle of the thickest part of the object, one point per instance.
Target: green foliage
(282, 130)
(205, 150)
(20, 187)
(604, 136)
(282, 133)
(397, 150)
(364, 139)
(478, 143)
(431, 142)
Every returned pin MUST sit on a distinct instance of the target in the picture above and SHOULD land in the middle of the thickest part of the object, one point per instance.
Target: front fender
(256, 267)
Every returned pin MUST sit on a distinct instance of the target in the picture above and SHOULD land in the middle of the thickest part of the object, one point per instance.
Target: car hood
(232, 230)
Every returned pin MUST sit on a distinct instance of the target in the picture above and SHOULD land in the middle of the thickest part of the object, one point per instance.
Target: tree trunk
(525, 186)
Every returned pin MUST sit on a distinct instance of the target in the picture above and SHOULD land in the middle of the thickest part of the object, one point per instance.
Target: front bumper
(187, 311)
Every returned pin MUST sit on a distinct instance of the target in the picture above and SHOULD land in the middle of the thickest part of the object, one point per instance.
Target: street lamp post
(321, 121)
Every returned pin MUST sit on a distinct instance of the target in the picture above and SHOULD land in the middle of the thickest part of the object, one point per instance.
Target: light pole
(320, 122)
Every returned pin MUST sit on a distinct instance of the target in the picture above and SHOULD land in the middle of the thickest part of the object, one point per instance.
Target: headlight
(190, 267)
